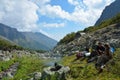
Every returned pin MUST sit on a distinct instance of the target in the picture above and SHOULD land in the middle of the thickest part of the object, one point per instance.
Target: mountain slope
(27, 39)
(81, 70)
(10, 33)
(38, 40)
(108, 31)
(109, 11)
(6, 44)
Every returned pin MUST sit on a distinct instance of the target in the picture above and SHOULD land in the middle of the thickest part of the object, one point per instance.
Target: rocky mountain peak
(109, 11)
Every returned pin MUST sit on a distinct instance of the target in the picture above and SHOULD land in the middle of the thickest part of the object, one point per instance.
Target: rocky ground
(10, 72)
(6, 56)
(109, 34)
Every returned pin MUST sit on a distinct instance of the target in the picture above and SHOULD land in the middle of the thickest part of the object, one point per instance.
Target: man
(100, 48)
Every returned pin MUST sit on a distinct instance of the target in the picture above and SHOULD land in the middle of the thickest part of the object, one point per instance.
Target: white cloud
(24, 12)
(56, 36)
(86, 12)
(108, 2)
(89, 12)
(93, 3)
(73, 2)
(40, 3)
(21, 14)
(55, 25)
(54, 11)
(45, 33)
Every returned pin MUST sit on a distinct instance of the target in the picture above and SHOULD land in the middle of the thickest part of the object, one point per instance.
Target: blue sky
(54, 18)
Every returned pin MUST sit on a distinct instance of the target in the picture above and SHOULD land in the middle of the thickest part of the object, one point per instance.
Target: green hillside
(70, 37)
(81, 70)
(6, 44)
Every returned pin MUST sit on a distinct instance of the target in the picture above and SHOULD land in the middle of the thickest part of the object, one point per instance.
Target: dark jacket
(100, 49)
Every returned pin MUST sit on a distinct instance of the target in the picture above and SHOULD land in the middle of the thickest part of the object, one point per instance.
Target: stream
(50, 62)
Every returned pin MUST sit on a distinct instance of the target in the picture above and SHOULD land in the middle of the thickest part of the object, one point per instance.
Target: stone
(61, 73)
(9, 75)
(37, 75)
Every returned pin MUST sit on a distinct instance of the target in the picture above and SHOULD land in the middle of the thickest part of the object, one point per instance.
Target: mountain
(6, 44)
(109, 11)
(106, 32)
(27, 39)
(38, 40)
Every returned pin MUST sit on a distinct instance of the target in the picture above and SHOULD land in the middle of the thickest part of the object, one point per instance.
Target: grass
(80, 70)
(27, 66)
(6, 64)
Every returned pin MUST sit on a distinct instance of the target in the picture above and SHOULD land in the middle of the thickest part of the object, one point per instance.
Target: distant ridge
(27, 39)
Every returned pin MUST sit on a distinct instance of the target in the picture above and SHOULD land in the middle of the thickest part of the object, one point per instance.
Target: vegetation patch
(81, 70)
(67, 38)
(71, 36)
(28, 65)
(4, 65)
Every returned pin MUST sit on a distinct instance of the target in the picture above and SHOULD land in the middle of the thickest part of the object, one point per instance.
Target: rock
(64, 70)
(59, 74)
(37, 75)
(79, 34)
(31, 79)
(4, 58)
(109, 34)
(9, 75)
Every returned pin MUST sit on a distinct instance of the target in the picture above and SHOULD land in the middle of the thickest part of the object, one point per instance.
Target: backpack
(112, 50)
(78, 55)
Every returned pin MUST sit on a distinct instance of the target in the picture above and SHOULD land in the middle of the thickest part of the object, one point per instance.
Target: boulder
(37, 75)
(4, 58)
(9, 75)
(58, 75)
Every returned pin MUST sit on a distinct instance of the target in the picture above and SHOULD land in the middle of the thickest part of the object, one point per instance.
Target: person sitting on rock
(100, 48)
(103, 59)
(56, 67)
(87, 52)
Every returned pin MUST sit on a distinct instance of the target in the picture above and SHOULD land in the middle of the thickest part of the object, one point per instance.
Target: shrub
(67, 38)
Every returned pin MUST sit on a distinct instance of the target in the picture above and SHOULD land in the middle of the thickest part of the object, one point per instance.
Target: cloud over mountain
(26, 15)
(21, 14)
(83, 10)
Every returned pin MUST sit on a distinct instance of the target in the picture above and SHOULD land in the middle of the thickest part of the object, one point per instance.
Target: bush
(68, 38)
